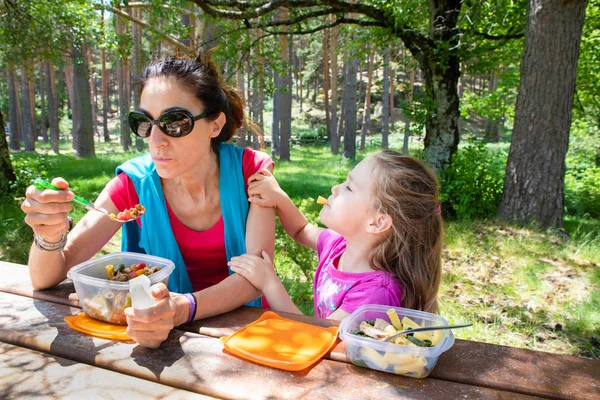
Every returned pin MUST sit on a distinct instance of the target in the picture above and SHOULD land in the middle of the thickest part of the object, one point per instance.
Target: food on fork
(131, 213)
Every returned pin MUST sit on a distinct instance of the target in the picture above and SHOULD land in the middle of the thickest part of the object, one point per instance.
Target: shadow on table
(67, 343)
(156, 360)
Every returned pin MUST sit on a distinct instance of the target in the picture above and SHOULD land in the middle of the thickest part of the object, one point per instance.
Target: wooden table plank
(473, 363)
(198, 363)
(26, 374)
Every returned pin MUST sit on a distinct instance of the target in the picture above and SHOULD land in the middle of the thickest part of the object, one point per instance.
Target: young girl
(382, 246)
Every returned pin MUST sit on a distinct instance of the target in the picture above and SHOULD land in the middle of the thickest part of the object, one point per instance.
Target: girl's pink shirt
(334, 289)
(203, 251)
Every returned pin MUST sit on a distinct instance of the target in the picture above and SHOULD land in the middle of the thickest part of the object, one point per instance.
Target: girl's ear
(217, 124)
(380, 223)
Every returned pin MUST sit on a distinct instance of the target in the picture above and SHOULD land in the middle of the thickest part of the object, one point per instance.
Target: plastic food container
(104, 299)
(398, 359)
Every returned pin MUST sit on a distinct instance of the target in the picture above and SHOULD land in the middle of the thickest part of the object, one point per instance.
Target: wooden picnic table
(41, 357)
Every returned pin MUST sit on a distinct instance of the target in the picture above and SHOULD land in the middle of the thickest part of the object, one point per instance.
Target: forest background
(500, 98)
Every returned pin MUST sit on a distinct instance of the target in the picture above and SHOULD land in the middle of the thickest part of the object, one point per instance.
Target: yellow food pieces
(368, 354)
(394, 320)
(321, 200)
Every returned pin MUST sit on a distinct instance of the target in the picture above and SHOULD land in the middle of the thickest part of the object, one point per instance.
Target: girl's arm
(261, 273)
(264, 191)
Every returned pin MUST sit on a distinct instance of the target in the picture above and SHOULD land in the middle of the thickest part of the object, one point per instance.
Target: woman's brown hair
(406, 190)
(201, 76)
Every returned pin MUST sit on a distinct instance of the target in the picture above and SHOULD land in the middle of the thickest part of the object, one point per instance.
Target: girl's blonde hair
(406, 190)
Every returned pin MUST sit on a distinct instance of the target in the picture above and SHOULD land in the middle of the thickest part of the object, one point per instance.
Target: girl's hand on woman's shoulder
(260, 272)
(263, 189)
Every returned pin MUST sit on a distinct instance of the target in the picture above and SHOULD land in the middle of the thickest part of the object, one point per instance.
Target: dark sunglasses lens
(176, 123)
(140, 125)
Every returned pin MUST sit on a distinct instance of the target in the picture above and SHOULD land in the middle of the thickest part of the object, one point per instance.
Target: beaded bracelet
(192, 299)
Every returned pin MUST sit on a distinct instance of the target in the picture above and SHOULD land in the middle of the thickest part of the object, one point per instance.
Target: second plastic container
(390, 357)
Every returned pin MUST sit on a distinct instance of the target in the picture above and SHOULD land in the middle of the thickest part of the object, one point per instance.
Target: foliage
(472, 184)
(582, 192)
(28, 168)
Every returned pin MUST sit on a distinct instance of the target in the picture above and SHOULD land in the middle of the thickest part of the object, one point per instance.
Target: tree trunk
(30, 68)
(74, 111)
(276, 119)
(44, 114)
(7, 175)
(13, 99)
(123, 89)
(326, 82)
(534, 184)
(334, 138)
(92, 93)
(385, 114)
(411, 90)
(350, 114)
(28, 126)
(105, 94)
(84, 131)
(240, 140)
(392, 92)
(439, 61)
(367, 109)
(136, 70)
(52, 107)
(491, 125)
(285, 98)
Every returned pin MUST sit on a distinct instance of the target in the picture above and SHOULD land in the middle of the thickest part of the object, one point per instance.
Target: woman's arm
(47, 269)
(235, 291)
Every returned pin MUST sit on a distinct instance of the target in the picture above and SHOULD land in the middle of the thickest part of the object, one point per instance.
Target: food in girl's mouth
(321, 200)
(131, 213)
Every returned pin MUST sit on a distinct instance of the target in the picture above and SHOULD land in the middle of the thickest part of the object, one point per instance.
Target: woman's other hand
(263, 189)
(47, 210)
(260, 272)
(149, 327)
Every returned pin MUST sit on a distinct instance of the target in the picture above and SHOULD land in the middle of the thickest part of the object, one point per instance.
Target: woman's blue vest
(156, 238)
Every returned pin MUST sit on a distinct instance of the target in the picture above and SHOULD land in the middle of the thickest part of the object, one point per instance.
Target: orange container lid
(281, 343)
(93, 327)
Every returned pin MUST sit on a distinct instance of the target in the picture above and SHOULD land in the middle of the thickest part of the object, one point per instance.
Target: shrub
(27, 168)
(582, 192)
(472, 184)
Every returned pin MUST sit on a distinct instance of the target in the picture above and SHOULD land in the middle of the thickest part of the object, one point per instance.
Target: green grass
(519, 286)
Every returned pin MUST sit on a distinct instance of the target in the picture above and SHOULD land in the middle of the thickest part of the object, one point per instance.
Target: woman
(193, 186)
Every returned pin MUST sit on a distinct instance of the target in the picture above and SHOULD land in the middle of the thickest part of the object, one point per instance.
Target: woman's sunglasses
(175, 123)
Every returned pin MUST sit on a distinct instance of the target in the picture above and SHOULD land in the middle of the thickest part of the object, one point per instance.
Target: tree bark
(385, 114)
(367, 108)
(84, 131)
(13, 98)
(285, 98)
(123, 88)
(276, 120)
(534, 184)
(28, 127)
(334, 138)
(44, 114)
(326, 82)
(92, 93)
(7, 175)
(52, 107)
(350, 114)
(411, 90)
(136, 69)
(68, 69)
(491, 125)
(240, 140)
(105, 94)
(30, 68)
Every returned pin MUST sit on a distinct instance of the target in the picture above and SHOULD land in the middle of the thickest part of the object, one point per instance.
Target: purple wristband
(192, 299)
